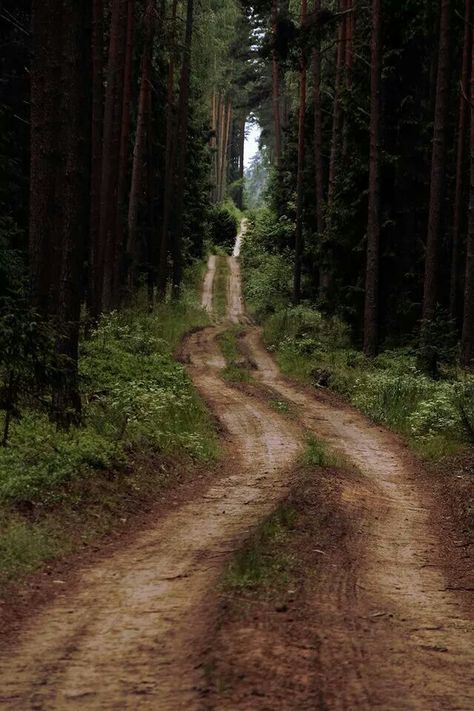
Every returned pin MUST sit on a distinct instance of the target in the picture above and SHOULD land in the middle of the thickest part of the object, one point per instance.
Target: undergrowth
(436, 415)
(221, 281)
(137, 400)
(235, 370)
(262, 563)
(316, 454)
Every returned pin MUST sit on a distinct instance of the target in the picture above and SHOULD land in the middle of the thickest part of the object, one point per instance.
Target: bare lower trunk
(134, 250)
(337, 113)
(170, 160)
(124, 142)
(438, 166)
(183, 120)
(467, 342)
(276, 88)
(299, 237)
(336, 134)
(373, 225)
(60, 163)
(108, 299)
(97, 40)
(318, 132)
(461, 140)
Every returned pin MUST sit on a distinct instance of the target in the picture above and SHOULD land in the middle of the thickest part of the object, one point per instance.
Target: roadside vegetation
(437, 415)
(267, 563)
(139, 410)
(236, 369)
(219, 297)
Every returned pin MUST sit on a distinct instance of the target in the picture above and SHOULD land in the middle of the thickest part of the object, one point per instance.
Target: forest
(237, 312)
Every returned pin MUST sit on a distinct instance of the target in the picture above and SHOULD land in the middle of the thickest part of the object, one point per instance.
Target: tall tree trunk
(461, 140)
(299, 237)
(225, 148)
(124, 142)
(349, 49)
(276, 87)
(60, 164)
(75, 146)
(318, 131)
(45, 153)
(373, 225)
(110, 155)
(241, 162)
(337, 111)
(348, 65)
(220, 145)
(438, 167)
(170, 161)
(467, 341)
(183, 121)
(97, 49)
(139, 151)
(326, 272)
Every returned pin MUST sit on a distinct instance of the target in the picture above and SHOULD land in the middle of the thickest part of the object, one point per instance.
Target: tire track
(413, 646)
(133, 636)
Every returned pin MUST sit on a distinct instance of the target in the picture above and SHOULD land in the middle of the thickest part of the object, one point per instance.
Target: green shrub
(224, 221)
(437, 415)
(135, 397)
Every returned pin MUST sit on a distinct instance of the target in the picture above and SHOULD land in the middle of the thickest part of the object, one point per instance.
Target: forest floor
(377, 612)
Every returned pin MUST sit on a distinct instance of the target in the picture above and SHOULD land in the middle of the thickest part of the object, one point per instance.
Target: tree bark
(220, 145)
(170, 160)
(225, 148)
(59, 183)
(124, 143)
(467, 340)
(97, 49)
(183, 121)
(373, 226)
(299, 236)
(461, 140)
(326, 272)
(139, 151)
(438, 167)
(45, 153)
(73, 191)
(242, 162)
(276, 88)
(337, 112)
(111, 152)
(318, 131)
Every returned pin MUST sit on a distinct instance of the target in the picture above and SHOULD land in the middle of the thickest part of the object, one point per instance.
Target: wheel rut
(410, 638)
(135, 633)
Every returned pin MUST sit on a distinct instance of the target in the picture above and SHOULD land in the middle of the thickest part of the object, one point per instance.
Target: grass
(262, 563)
(235, 370)
(436, 416)
(316, 454)
(221, 282)
(24, 547)
(140, 412)
(282, 406)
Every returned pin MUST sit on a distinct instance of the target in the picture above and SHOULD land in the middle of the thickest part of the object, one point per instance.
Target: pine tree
(299, 237)
(373, 225)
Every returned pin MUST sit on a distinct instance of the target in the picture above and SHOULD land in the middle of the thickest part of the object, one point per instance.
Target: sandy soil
(137, 632)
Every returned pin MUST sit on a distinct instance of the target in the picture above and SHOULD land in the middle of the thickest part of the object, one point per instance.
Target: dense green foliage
(223, 225)
(136, 397)
(437, 414)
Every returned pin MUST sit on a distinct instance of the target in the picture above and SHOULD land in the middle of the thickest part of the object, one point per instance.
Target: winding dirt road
(135, 635)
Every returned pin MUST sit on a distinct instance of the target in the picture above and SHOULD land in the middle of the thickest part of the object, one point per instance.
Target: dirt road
(134, 636)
